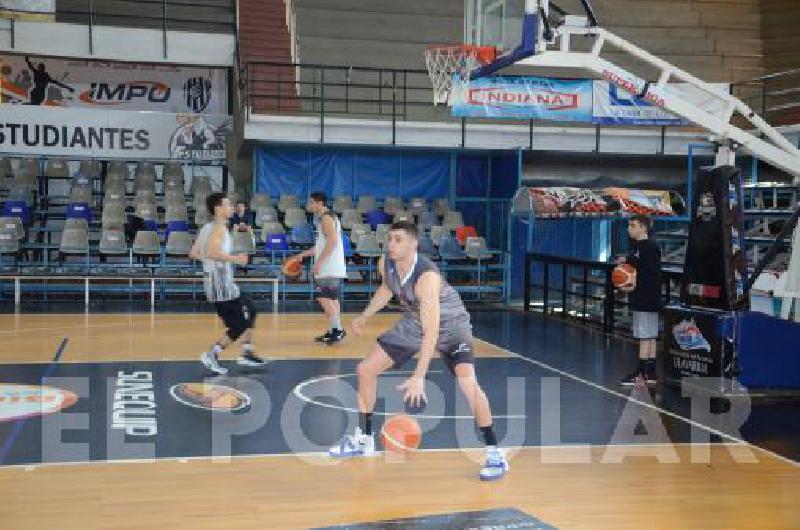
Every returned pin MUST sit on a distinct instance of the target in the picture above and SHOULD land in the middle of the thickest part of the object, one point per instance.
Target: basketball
(401, 434)
(623, 274)
(292, 268)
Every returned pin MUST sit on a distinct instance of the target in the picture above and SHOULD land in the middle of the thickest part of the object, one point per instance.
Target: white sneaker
(496, 464)
(211, 362)
(353, 445)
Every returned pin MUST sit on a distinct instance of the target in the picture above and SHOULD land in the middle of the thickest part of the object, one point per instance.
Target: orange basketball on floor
(623, 274)
(400, 434)
(292, 268)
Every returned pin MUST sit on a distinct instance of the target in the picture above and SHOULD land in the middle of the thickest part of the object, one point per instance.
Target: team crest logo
(197, 93)
(197, 139)
(689, 337)
(210, 397)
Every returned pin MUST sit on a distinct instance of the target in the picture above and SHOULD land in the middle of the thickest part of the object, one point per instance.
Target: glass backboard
(495, 23)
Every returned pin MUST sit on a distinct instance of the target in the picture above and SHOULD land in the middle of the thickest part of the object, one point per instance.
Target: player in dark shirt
(644, 297)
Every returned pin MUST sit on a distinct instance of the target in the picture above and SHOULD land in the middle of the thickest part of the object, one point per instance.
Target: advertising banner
(37, 131)
(524, 97)
(112, 86)
(39, 10)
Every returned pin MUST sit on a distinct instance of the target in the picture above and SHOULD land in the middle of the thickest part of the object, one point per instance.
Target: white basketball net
(443, 62)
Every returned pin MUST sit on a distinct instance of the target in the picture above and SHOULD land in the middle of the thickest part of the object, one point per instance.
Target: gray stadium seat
(476, 248)
(427, 219)
(417, 205)
(74, 241)
(358, 231)
(367, 203)
(9, 243)
(266, 215)
(113, 216)
(18, 192)
(176, 213)
(271, 228)
(114, 184)
(173, 182)
(147, 211)
(80, 194)
(437, 232)
(146, 243)
(367, 246)
(392, 205)
(145, 196)
(90, 168)
(452, 220)
(287, 201)
(440, 206)
(294, 217)
(179, 243)
(243, 243)
(200, 184)
(56, 167)
(172, 170)
(342, 203)
(27, 172)
(117, 167)
(403, 215)
(260, 200)
(76, 223)
(350, 218)
(201, 216)
(13, 223)
(382, 234)
(112, 242)
(174, 197)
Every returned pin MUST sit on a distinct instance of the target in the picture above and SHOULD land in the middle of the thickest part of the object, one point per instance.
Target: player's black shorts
(238, 315)
(328, 288)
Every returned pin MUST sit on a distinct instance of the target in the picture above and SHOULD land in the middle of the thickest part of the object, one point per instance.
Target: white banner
(29, 130)
(28, 9)
(119, 86)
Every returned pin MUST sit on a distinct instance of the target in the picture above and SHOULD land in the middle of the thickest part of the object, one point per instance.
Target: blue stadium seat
(17, 209)
(377, 217)
(79, 210)
(176, 226)
(276, 243)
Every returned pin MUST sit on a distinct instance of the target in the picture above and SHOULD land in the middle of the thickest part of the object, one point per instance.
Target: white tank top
(334, 266)
(217, 275)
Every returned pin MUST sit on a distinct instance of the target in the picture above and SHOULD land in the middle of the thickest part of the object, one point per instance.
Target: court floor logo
(210, 397)
(25, 401)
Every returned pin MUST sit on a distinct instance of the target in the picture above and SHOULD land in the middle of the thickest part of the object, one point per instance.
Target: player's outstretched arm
(382, 296)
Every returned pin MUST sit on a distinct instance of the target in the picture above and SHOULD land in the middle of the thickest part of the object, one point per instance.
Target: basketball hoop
(444, 61)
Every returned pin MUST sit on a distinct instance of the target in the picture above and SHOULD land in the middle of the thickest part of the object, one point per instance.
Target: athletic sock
(216, 349)
(488, 436)
(336, 323)
(366, 423)
(247, 348)
(642, 369)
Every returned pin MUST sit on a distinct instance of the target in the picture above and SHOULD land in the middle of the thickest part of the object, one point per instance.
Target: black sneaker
(336, 335)
(633, 379)
(325, 337)
(250, 359)
(650, 376)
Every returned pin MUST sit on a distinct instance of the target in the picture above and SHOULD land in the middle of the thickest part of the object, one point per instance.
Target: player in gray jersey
(434, 320)
(213, 248)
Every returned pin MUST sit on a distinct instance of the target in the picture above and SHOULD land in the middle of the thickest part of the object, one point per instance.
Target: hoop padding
(453, 61)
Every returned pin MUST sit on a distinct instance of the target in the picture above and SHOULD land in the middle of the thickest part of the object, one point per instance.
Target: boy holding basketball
(329, 267)
(644, 297)
(434, 320)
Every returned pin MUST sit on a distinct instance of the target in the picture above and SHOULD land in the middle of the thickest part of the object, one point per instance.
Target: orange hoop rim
(484, 54)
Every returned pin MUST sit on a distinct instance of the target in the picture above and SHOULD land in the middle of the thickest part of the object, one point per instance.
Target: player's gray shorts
(404, 340)
(645, 325)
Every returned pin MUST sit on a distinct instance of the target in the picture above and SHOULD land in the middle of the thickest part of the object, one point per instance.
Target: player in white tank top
(213, 248)
(329, 266)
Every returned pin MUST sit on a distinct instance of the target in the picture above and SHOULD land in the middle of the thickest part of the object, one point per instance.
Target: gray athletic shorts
(404, 340)
(328, 288)
(645, 325)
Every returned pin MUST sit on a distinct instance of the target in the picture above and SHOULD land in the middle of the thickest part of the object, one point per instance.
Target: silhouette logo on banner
(197, 93)
(197, 139)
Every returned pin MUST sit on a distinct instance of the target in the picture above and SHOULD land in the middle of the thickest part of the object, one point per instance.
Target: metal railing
(580, 289)
(166, 15)
(776, 97)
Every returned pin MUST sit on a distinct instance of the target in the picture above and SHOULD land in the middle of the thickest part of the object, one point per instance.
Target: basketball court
(109, 419)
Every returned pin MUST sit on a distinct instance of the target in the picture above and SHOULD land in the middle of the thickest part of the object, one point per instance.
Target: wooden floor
(301, 491)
